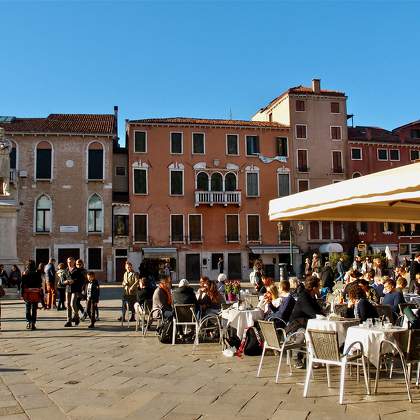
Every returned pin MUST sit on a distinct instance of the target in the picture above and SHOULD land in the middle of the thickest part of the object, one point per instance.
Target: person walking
(130, 285)
(92, 297)
(50, 286)
(62, 276)
(73, 291)
(31, 293)
(341, 271)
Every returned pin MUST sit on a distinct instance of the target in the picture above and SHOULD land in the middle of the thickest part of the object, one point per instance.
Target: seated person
(211, 300)
(266, 282)
(287, 303)
(144, 295)
(295, 286)
(353, 279)
(162, 297)
(378, 285)
(327, 278)
(221, 279)
(359, 306)
(184, 294)
(370, 292)
(270, 301)
(202, 287)
(392, 297)
(401, 284)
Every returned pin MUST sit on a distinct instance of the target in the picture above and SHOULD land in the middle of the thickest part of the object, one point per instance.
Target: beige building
(62, 169)
(318, 142)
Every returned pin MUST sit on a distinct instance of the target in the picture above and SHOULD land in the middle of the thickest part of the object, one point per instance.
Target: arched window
(202, 181)
(95, 214)
(95, 161)
(13, 156)
(43, 160)
(43, 214)
(356, 175)
(230, 182)
(216, 182)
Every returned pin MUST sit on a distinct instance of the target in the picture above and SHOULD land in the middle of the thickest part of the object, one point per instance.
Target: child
(92, 297)
(62, 275)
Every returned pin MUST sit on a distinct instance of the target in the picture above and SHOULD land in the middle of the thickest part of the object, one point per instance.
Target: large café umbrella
(388, 196)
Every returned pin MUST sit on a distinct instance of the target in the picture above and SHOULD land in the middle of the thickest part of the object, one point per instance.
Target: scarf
(167, 292)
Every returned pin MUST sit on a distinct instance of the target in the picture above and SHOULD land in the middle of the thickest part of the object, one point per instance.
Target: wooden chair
(324, 349)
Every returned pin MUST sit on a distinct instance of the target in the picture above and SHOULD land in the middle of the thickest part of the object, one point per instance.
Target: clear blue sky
(204, 58)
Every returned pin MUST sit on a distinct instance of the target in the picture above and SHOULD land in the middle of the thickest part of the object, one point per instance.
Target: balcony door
(192, 267)
(234, 266)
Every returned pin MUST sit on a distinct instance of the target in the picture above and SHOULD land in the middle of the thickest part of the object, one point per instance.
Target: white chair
(142, 311)
(293, 342)
(184, 316)
(323, 348)
(154, 315)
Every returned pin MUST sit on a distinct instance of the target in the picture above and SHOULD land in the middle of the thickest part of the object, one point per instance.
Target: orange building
(199, 190)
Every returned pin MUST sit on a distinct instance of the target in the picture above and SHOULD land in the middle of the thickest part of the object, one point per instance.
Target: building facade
(199, 190)
(62, 167)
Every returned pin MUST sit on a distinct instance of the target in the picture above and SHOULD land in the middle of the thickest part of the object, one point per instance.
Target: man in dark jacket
(49, 271)
(327, 277)
(184, 294)
(73, 291)
(31, 279)
(414, 269)
(92, 297)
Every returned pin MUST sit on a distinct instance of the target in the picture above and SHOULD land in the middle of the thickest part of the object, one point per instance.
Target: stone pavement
(111, 373)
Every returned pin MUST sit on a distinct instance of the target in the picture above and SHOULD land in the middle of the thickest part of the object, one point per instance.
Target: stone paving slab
(115, 373)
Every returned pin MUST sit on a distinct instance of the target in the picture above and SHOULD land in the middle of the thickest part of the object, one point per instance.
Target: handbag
(32, 295)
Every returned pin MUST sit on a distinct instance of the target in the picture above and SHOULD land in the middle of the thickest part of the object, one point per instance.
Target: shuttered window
(96, 164)
(140, 228)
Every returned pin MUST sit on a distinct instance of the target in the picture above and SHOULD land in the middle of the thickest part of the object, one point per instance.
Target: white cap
(221, 277)
(183, 282)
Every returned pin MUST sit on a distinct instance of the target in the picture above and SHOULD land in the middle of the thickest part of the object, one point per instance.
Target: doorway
(234, 266)
(192, 267)
(42, 255)
(64, 253)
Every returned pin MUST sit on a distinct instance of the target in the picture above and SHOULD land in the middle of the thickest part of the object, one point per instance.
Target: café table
(371, 338)
(241, 319)
(340, 325)
(412, 298)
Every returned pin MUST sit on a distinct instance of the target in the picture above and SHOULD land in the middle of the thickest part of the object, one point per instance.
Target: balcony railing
(217, 197)
(13, 176)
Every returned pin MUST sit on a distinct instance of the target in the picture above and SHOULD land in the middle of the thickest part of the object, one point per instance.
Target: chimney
(116, 121)
(316, 85)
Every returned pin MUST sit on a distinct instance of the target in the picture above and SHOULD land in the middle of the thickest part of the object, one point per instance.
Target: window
(414, 154)
(388, 227)
(394, 154)
(202, 181)
(140, 142)
(314, 230)
(337, 164)
(94, 258)
(252, 145)
(284, 184)
(301, 131)
(337, 230)
(281, 143)
(43, 214)
(230, 182)
(140, 228)
(253, 227)
(214, 260)
(140, 181)
(356, 153)
(195, 228)
(13, 157)
(303, 185)
(300, 105)
(335, 107)
(216, 182)
(177, 181)
(382, 154)
(43, 160)
(336, 133)
(362, 227)
(232, 228)
(120, 171)
(95, 214)
(120, 225)
(415, 133)
(198, 143)
(95, 161)
(252, 184)
(302, 160)
(326, 230)
(176, 143)
(42, 255)
(177, 228)
(232, 144)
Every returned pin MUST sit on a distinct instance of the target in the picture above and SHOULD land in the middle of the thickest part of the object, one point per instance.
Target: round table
(241, 319)
(339, 325)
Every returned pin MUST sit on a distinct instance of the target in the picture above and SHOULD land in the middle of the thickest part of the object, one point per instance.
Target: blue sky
(207, 58)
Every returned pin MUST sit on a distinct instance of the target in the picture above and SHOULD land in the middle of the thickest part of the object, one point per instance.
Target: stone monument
(8, 207)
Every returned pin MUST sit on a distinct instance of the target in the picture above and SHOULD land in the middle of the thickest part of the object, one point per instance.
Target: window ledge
(95, 233)
(44, 180)
(96, 180)
(42, 233)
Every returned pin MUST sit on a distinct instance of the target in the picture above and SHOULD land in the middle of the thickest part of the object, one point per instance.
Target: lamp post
(292, 234)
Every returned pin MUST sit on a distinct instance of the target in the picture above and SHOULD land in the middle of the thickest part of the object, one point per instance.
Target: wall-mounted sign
(69, 229)
(361, 247)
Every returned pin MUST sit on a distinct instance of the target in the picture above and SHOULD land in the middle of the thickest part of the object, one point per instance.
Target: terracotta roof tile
(211, 122)
(63, 123)
(373, 134)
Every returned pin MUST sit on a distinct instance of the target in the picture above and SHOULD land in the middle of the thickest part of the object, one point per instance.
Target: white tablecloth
(371, 339)
(241, 319)
(340, 326)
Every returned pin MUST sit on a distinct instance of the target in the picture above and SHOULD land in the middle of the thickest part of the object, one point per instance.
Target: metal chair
(385, 311)
(402, 306)
(184, 315)
(340, 309)
(142, 311)
(154, 315)
(210, 324)
(129, 313)
(281, 344)
(323, 348)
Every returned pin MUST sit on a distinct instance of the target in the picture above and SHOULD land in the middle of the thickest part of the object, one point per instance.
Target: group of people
(39, 285)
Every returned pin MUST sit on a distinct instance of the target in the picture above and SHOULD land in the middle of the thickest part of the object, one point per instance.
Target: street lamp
(292, 234)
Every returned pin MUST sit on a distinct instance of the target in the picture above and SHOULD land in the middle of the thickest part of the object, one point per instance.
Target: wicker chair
(285, 343)
(184, 316)
(385, 311)
(324, 349)
(340, 309)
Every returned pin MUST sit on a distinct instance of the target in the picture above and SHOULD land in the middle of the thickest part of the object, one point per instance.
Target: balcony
(217, 197)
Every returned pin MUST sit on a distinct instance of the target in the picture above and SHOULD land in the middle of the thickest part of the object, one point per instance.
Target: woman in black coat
(31, 279)
(359, 306)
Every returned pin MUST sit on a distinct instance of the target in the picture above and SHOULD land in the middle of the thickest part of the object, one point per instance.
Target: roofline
(48, 133)
(406, 125)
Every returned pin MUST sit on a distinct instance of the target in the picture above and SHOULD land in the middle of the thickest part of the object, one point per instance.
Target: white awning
(331, 247)
(277, 249)
(387, 196)
(381, 247)
(159, 252)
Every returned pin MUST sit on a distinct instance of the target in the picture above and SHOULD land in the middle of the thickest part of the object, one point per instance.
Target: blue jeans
(31, 310)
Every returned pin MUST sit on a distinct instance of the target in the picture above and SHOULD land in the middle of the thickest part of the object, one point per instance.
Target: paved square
(112, 373)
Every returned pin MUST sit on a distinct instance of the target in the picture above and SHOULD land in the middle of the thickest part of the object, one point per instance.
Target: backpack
(165, 331)
(251, 344)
